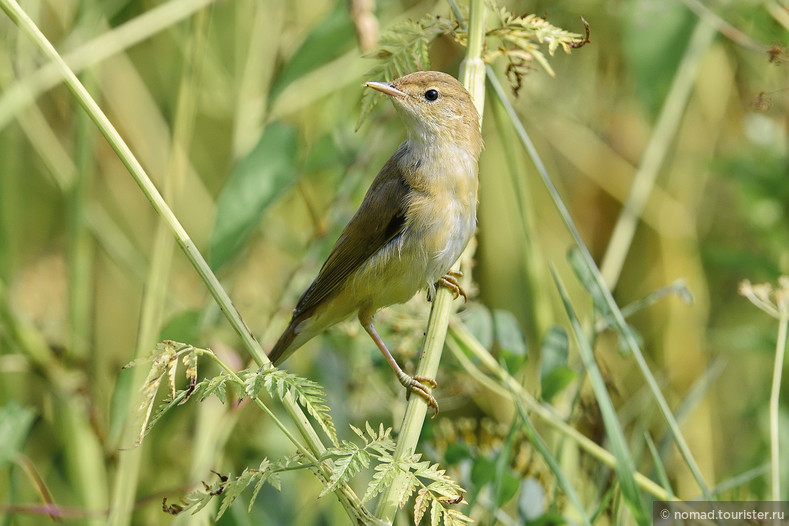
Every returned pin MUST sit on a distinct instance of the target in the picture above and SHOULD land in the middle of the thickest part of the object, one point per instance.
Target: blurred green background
(249, 108)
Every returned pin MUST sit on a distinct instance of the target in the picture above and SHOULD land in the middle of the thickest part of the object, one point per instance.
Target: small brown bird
(416, 219)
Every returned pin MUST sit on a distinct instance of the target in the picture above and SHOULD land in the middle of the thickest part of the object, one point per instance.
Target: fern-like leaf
(385, 472)
(164, 362)
(435, 513)
(349, 459)
(420, 505)
(307, 393)
(216, 386)
(234, 487)
(266, 474)
(455, 518)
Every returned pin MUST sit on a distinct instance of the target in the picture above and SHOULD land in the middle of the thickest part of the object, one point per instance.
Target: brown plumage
(413, 224)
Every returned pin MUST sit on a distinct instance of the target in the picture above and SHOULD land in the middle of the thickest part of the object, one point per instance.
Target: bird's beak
(386, 88)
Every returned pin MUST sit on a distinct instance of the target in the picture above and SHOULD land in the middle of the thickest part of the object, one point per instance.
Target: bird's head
(435, 108)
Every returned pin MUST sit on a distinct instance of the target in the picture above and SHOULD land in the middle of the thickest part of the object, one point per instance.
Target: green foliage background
(268, 94)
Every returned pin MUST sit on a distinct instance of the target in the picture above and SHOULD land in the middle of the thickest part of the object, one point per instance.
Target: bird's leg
(450, 281)
(414, 384)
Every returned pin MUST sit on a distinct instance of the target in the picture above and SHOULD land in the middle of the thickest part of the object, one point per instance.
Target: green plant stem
(237, 379)
(152, 309)
(472, 75)
(505, 385)
(19, 17)
(655, 153)
(349, 500)
(616, 313)
(154, 296)
(775, 398)
(213, 422)
(625, 466)
(561, 477)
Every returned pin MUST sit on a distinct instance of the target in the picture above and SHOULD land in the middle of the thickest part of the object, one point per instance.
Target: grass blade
(625, 467)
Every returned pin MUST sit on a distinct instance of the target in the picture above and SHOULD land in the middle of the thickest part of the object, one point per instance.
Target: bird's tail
(281, 351)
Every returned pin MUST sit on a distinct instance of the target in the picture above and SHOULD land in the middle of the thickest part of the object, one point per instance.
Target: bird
(414, 222)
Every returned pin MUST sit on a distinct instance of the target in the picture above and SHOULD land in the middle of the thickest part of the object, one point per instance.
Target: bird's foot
(421, 386)
(450, 281)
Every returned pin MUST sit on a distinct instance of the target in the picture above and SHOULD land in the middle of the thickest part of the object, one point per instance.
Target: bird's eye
(431, 95)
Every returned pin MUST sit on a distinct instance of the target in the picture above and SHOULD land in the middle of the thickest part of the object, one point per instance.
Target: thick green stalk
(472, 75)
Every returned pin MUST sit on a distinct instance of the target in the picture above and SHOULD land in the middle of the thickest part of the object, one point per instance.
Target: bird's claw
(419, 385)
(450, 281)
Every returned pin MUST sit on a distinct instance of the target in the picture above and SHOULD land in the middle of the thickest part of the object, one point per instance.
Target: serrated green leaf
(159, 367)
(346, 467)
(404, 48)
(233, 488)
(410, 486)
(435, 513)
(255, 182)
(151, 418)
(189, 360)
(275, 481)
(420, 505)
(371, 431)
(385, 473)
(358, 431)
(216, 386)
(172, 369)
(252, 498)
(307, 393)
(264, 474)
(455, 518)
(198, 501)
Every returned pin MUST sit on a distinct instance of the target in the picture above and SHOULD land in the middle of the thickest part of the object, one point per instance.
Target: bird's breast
(440, 218)
(441, 211)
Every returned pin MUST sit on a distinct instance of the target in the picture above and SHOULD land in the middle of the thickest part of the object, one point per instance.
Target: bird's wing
(380, 218)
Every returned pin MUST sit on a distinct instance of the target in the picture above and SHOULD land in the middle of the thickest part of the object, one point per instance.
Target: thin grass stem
(347, 497)
(504, 384)
(619, 320)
